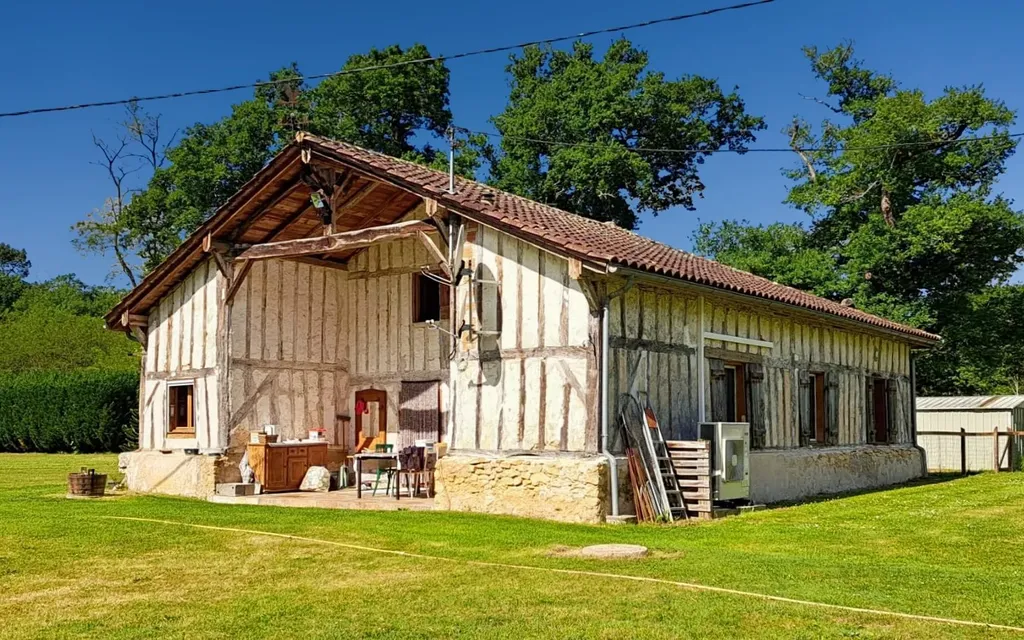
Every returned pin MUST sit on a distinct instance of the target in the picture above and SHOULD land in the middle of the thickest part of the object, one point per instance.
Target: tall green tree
(904, 219)
(397, 109)
(14, 267)
(57, 325)
(574, 125)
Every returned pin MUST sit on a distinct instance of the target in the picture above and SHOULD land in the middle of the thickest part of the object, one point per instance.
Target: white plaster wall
(783, 475)
(182, 345)
(525, 385)
(289, 356)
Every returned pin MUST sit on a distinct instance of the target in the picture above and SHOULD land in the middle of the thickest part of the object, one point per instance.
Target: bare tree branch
(854, 198)
(794, 134)
(821, 102)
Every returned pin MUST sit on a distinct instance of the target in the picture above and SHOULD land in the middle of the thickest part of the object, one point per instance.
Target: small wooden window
(181, 409)
(430, 299)
(817, 404)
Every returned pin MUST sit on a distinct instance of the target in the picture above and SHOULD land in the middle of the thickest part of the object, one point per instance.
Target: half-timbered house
(383, 301)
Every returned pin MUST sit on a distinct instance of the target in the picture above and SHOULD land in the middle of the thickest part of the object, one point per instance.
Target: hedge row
(79, 411)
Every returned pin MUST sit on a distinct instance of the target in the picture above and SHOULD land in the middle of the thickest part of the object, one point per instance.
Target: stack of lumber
(692, 462)
(641, 485)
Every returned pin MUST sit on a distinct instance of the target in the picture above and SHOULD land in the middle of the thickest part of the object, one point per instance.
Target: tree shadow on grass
(931, 478)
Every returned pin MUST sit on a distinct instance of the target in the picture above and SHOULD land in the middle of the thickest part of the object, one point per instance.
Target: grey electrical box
(730, 458)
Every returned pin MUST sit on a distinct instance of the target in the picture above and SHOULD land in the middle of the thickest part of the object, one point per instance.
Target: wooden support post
(963, 451)
(995, 449)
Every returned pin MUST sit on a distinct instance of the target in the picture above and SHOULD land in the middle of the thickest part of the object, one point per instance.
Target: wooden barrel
(87, 483)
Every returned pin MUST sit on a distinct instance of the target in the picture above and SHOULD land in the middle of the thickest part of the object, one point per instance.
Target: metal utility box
(730, 458)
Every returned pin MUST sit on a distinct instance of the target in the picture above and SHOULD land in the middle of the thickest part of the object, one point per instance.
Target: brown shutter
(755, 405)
(869, 410)
(891, 409)
(806, 408)
(719, 390)
(832, 407)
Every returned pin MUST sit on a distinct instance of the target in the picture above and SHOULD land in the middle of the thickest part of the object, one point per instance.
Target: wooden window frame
(738, 403)
(443, 298)
(189, 429)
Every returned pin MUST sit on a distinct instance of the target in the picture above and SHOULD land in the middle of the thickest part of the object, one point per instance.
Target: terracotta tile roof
(588, 239)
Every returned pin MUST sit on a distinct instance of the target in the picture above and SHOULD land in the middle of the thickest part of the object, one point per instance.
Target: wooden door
(297, 467)
(372, 420)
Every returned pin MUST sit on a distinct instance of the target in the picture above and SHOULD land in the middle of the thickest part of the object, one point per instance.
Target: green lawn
(945, 549)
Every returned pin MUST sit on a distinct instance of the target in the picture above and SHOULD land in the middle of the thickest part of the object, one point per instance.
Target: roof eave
(281, 162)
(914, 339)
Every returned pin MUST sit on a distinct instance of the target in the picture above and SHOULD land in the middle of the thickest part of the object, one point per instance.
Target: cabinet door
(296, 471)
(318, 456)
(277, 469)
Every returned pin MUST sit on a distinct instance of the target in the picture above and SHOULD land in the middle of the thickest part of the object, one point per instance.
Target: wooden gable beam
(335, 242)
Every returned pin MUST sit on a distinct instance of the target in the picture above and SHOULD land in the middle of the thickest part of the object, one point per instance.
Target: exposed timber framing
(256, 216)
(738, 340)
(356, 239)
(288, 222)
(235, 283)
(137, 325)
(319, 262)
(436, 253)
(347, 203)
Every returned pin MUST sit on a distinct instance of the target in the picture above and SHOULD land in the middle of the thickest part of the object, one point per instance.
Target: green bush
(85, 411)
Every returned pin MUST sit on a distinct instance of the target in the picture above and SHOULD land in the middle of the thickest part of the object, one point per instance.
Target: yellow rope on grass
(594, 574)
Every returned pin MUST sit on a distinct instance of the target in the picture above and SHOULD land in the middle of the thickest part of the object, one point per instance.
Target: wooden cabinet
(282, 466)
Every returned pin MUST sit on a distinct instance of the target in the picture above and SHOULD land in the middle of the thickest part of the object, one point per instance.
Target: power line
(877, 147)
(390, 65)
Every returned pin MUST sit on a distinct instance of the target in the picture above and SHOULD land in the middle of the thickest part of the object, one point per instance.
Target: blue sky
(66, 52)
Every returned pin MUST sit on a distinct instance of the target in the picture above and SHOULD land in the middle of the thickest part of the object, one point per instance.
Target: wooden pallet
(692, 462)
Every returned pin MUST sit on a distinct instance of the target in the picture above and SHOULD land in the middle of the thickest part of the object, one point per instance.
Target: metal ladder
(668, 484)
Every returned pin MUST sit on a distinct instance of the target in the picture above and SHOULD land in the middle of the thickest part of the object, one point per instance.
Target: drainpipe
(613, 469)
(701, 385)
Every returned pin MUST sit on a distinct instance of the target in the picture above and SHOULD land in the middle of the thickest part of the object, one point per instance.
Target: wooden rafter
(258, 215)
(335, 242)
(287, 222)
(354, 199)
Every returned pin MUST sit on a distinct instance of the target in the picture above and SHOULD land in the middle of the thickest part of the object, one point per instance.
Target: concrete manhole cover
(614, 551)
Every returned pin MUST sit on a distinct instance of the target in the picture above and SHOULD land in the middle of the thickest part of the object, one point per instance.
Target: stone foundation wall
(792, 474)
(566, 488)
(174, 473)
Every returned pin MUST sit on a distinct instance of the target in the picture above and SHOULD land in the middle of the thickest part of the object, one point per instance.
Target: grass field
(944, 549)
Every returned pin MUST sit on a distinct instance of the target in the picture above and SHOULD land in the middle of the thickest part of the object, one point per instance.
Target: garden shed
(941, 419)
